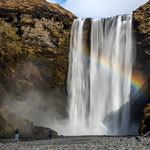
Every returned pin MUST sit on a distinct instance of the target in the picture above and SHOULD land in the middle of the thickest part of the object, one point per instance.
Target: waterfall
(99, 81)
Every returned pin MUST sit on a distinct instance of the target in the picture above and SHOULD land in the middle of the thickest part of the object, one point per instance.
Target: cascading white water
(99, 83)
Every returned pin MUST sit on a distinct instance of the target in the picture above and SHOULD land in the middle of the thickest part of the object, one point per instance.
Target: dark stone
(141, 27)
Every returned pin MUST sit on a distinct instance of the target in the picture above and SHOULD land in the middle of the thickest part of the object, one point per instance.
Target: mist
(43, 106)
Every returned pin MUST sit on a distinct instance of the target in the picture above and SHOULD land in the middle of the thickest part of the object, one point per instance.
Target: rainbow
(137, 80)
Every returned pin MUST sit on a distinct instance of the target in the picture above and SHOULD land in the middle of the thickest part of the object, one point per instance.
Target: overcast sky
(99, 8)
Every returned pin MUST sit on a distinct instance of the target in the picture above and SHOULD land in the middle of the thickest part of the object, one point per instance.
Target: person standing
(50, 133)
(16, 135)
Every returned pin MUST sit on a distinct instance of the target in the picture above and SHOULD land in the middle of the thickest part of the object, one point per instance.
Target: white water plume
(99, 82)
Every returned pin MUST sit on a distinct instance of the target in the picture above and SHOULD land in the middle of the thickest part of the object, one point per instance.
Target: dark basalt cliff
(142, 28)
(142, 31)
(34, 45)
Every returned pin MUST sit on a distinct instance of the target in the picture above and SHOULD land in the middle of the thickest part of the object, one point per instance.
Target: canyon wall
(34, 46)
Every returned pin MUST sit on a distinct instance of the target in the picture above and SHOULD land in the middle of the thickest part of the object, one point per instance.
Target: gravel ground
(82, 143)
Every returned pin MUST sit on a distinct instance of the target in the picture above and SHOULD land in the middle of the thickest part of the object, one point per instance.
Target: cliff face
(34, 45)
(142, 27)
(141, 24)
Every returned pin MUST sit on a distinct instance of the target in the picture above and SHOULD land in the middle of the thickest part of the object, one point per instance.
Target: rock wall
(34, 45)
(142, 32)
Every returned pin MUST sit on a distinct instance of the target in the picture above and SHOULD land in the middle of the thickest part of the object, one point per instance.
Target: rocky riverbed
(79, 143)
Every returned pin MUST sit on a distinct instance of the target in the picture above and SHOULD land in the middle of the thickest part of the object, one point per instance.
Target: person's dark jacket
(16, 131)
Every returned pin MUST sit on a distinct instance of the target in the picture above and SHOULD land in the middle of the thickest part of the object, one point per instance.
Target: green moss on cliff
(145, 125)
(10, 43)
(141, 24)
(34, 46)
